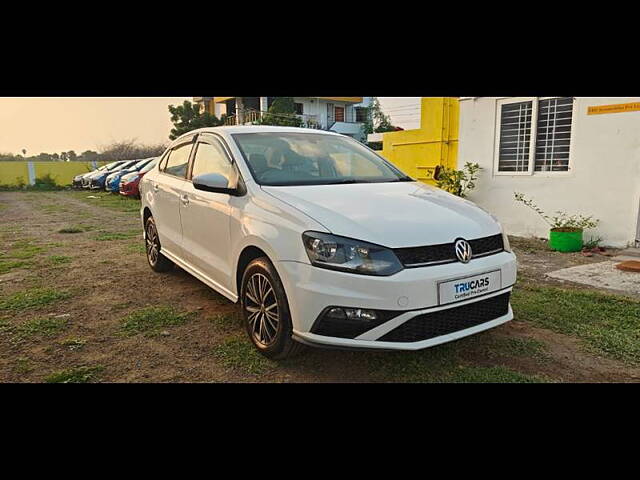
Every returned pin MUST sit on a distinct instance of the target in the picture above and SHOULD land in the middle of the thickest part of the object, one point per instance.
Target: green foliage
(561, 220)
(44, 327)
(187, 117)
(240, 354)
(458, 182)
(377, 121)
(151, 320)
(81, 374)
(608, 324)
(282, 112)
(71, 230)
(32, 298)
(46, 182)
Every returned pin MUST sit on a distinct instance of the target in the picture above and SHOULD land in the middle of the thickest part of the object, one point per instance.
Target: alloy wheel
(262, 310)
(152, 244)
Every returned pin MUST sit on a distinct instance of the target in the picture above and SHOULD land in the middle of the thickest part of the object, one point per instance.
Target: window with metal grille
(515, 137)
(553, 134)
(534, 135)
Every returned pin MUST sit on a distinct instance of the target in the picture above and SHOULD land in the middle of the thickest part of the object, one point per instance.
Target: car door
(206, 216)
(167, 189)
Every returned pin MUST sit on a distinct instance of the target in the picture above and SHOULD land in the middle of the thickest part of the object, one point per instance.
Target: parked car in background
(112, 182)
(97, 180)
(79, 180)
(129, 183)
(324, 242)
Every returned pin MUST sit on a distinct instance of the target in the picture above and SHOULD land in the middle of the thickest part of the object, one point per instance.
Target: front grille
(443, 322)
(446, 253)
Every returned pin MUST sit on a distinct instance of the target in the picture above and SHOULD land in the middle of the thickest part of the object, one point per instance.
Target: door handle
(185, 200)
(155, 188)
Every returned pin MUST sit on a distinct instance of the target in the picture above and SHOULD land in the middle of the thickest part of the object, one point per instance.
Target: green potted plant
(566, 234)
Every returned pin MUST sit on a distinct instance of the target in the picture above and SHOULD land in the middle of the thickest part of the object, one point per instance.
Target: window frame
(533, 138)
(162, 165)
(209, 137)
(209, 141)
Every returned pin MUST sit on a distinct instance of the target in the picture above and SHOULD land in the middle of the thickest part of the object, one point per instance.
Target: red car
(129, 183)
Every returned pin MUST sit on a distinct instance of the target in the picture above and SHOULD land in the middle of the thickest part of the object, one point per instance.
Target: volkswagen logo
(463, 251)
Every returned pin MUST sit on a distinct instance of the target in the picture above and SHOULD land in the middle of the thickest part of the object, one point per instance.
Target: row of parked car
(118, 177)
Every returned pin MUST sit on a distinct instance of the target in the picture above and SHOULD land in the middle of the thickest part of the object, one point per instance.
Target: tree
(24, 151)
(88, 156)
(187, 117)
(380, 122)
(282, 112)
(63, 156)
(71, 156)
(128, 150)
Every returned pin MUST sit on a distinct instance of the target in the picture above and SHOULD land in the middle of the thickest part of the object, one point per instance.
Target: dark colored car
(78, 180)
(129, 184)
(97, 180)
(112, 183)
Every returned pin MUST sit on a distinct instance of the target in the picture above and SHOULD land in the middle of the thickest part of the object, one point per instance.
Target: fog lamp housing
(349, 322)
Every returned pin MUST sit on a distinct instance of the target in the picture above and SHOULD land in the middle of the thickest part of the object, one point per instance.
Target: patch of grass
(107, 236)
(83, 374)
(107, 200)
(73, 343)
(226, 320)
(517, 347)
(441, 364)
(40, 327)
(608, 324)
(23, 250)
(240, 354)
(137, 248)
(32, 298)
(496, 374)
(71, 230)
(8, 265)
(23, 365)
(58, 259)
(152, 320)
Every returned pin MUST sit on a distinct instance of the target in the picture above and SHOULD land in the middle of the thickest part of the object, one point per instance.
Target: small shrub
(152, 320)
(562, 221)
(82, 374)
(458, 182)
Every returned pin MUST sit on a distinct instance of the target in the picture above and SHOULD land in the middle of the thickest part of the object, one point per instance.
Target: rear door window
(178, 160)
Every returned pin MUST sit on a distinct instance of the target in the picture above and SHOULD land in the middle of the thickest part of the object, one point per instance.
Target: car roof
(257, 129)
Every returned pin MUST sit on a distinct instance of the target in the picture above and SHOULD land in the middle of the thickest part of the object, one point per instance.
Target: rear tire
(265, 311)
(157, 261)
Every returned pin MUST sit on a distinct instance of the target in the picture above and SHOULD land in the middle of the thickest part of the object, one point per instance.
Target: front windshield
(288, 159)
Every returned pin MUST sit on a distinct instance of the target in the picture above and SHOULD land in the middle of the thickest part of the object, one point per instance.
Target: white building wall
(604, 176)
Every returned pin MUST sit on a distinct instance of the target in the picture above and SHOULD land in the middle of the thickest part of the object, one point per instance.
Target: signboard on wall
(618, 108)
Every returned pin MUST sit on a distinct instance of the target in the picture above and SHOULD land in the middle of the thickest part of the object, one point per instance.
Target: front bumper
(411, 293)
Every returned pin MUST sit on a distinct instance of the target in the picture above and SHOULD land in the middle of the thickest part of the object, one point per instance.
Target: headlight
(505, 240)
(348, 255)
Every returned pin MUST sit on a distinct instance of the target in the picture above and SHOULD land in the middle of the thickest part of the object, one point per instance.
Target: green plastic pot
(565, 241)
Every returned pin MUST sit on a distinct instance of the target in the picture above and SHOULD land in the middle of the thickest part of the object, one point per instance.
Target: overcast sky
(62, 124)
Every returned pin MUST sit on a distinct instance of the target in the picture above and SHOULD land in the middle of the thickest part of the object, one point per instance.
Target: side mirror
(213, 182)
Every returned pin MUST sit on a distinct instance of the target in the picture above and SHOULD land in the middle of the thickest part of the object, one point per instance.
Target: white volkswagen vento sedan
(323, 242)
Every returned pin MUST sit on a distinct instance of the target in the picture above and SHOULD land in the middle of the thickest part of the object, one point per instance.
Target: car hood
(403, 214)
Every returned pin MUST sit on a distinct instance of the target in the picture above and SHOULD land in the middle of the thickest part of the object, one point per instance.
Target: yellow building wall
(418, 152)
(10, 172)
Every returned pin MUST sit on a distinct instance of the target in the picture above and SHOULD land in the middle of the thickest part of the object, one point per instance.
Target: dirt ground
(103, 270)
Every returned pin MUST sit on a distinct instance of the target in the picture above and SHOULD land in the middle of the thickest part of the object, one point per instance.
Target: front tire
(265, 311)
(157, 261)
